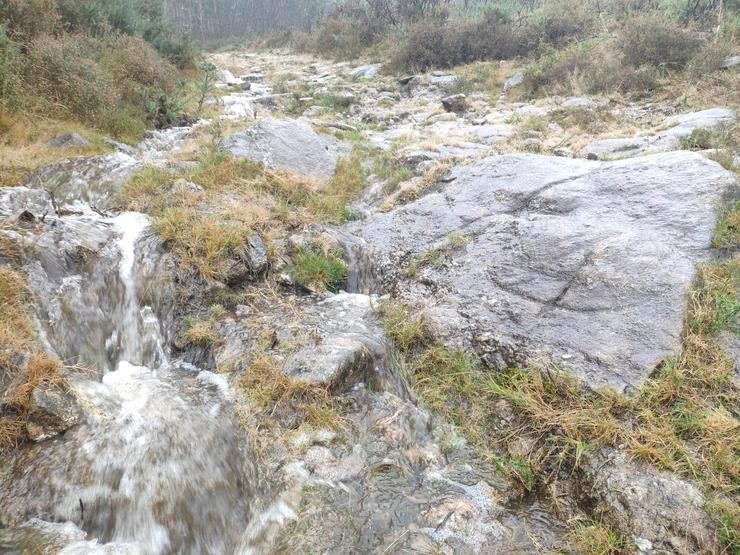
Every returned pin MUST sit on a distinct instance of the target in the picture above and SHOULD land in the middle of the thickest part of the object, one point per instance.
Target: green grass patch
(727, 234)
(314, 268)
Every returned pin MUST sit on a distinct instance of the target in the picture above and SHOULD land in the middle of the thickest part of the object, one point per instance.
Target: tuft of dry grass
(23, 147)
(16, 331)
(596, 539)
(17, 342)
(282, 400)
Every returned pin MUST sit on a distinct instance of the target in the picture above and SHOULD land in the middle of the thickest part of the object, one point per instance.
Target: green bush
(652, 40)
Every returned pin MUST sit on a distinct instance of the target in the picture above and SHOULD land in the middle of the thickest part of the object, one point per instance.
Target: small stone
(68, 140)
(51, 412)
(184, 186)
(443, 81)
(732, 61)
(514, 81)
(455, 103)
(563, 152)
(365, 72)
(532, 145)
(579, 102)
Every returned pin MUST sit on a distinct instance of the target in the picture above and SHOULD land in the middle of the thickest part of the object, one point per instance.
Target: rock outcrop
(287, 144)
(658, 511)
(586, 263)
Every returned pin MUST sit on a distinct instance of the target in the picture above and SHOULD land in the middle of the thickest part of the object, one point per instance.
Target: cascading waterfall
(157, 466)
(139, 334)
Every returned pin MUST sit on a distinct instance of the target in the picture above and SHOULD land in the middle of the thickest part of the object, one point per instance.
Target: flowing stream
(157, 465)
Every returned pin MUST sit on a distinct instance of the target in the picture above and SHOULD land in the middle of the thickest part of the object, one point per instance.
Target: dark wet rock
(408, 80)
(563, 152)
(68, 140)
(455, 103)
(659, 511)
(52, 410)
(678, 128)
(251, 262)
(287, 144)
(555, 261)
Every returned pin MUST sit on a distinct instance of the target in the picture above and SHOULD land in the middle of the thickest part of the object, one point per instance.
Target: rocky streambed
(507, 245)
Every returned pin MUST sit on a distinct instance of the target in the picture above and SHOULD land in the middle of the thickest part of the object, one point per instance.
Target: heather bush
(109, 83)
(25, 19)
(442, 44)
(142, 18)
(563, 21)
(653, 40)
(594, 66)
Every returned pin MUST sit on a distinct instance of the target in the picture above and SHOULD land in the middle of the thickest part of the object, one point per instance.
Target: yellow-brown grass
(18, 341)
(206, 228)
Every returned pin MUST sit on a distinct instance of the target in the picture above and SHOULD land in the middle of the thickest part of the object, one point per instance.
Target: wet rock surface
(515, 257)
(288, 145)
(678, 128)
(660, 512)
(554, 263)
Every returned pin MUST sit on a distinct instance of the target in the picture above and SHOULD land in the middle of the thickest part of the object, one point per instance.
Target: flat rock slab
(677, 128)
(288, 144)
(586, 263)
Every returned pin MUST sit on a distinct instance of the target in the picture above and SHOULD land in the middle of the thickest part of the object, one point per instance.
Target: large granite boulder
(585, 263)
(287, 144)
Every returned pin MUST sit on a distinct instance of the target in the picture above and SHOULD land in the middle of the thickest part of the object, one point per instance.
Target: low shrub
(563, 21)
(594, 66)
(26, 19)
(432, 43)
(340, 38)
(652, 40)
(140, 18)
(709, 59)
(117, 84)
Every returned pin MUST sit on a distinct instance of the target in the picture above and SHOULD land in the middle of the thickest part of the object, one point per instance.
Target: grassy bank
(91, 67)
